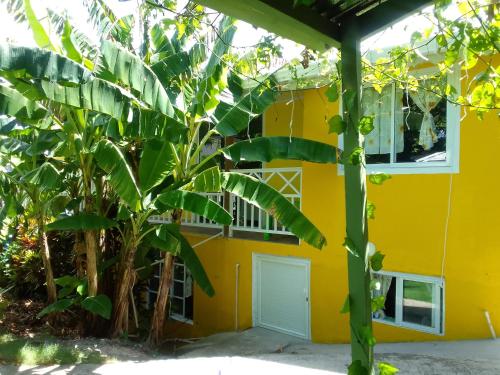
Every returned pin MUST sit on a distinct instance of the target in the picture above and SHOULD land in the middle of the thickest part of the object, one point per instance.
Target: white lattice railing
(193, 220)
(247, 217)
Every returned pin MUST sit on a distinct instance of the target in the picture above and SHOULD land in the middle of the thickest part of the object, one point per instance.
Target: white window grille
(247, 217)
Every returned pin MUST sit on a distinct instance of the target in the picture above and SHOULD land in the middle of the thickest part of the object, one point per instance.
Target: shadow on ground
(258, 352)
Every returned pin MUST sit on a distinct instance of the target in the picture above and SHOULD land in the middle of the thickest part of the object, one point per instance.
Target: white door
(281, 294)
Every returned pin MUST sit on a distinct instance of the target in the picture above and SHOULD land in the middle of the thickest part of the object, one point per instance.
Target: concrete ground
(258, 351)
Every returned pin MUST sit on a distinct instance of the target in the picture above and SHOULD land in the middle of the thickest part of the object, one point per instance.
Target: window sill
(181, 319)
(413, 327)
(407, 168)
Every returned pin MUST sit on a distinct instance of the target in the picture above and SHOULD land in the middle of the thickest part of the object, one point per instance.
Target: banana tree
(120, 120)
(33, 186)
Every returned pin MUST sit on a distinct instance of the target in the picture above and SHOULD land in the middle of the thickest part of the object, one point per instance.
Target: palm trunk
(158, 320)
(124, 283)
(355, 203)
(45, 252)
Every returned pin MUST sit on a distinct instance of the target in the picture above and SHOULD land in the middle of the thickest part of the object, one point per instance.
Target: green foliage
(376, 261)
(157, 162)
(346, 307)
(56, 307)
(133, 72)
(99, 305)
(336, 124)
(366, 335)
(378, 303)
(387, 369)
(197, 204)
(365, 125)
(379, 178)
(81, 222)
(370, 210)
(266, 149)
(120, 176)
(42, 352)
(332, 93)
(350, 246)
(208, 181)
(356, 156)
(357, 368)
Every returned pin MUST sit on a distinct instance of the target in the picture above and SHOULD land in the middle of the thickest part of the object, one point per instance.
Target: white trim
(452, 163)
(256, 257)
(438, 311)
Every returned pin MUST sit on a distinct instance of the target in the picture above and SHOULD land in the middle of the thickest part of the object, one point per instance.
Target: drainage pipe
(488, 320)
(237, 282)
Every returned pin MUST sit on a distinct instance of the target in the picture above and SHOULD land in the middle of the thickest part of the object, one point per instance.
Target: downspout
(236, 300)
(490, 325)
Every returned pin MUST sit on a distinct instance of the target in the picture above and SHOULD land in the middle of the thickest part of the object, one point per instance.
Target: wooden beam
(386, 14)
(301, 24)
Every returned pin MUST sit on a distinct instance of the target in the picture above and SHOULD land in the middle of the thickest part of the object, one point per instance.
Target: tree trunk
(91, 252)
(45, 252)
(158, 320)
(79, 252)
(125, 280)
(355, 202)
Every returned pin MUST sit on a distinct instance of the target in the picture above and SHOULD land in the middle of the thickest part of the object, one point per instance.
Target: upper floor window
(415, 131)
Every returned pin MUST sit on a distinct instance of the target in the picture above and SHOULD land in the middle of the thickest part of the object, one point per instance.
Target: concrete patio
(259, 351)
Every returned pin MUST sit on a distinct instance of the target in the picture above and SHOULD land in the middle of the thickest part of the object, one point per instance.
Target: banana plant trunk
(45, 252)
(125, 281)
(91, 261)
(158, 320)
(355, 201)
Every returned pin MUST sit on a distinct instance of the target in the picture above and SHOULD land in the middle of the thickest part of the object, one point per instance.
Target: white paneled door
(281, 294)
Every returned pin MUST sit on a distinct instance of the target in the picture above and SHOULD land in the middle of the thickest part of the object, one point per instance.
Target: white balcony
(247, 217)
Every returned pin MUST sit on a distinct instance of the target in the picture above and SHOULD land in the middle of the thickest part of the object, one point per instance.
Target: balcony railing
(247, 217)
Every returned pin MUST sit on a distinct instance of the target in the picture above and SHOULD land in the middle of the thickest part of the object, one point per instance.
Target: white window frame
(180, 317)
(438, 292)
(451, 165)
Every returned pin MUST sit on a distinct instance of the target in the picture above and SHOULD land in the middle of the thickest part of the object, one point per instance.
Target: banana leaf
(81, 222)
(275, 204)
(120, 176)
(195, 203)
(41, 64)
(266, 149)
(157, 161)
(131, 70)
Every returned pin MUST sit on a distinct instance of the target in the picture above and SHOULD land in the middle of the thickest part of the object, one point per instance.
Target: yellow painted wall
(409, 228)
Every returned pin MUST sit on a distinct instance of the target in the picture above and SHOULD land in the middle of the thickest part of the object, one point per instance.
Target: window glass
(386, 286)
(418, 303)
(176, 306)
(378, 142)
(421, 124)
(410, 126)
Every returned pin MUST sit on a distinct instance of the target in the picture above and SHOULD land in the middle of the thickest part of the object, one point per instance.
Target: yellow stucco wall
(409, 228)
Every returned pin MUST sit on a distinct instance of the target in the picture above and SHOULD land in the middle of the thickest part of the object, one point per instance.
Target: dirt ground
(258, 351)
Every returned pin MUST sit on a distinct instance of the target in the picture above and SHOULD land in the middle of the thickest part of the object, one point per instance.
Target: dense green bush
(21, 263)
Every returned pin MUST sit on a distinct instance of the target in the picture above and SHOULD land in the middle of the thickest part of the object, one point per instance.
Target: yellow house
(436, 221)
